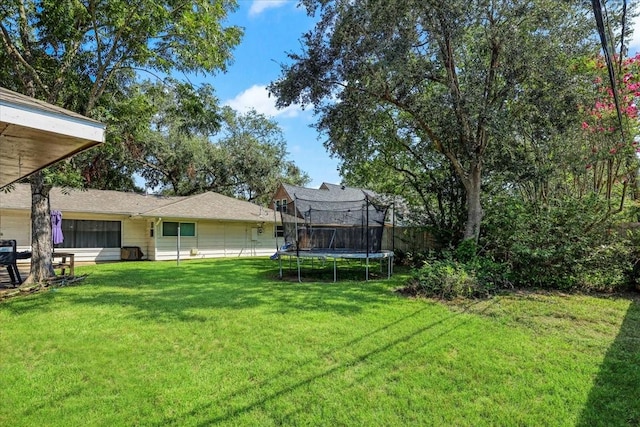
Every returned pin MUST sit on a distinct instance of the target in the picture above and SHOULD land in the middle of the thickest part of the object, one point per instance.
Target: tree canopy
(257, 153)
(194, 146)
(80, 54)
(433, 86)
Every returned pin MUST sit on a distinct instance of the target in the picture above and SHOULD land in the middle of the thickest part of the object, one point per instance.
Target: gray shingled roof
(329, 193)
(306, 193)
(212, 206)
(202, 206)
(348, 193)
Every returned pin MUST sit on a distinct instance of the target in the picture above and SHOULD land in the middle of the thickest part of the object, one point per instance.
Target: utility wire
(597, 11)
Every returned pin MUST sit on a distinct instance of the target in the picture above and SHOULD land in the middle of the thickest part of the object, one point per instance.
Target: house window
(80, 233)
(279, 231)
(187, 229)
(283, 206)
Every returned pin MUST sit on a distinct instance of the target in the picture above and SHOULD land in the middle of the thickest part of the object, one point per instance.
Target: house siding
(16, 226)
(224, 226)
(151, 240)
(215, 239)
(132, 234)
(281, 194)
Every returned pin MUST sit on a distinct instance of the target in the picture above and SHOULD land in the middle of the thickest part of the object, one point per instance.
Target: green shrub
(443, 279)
(607, 268)
(412, 259)
(448, 278)
(567, 244)
(466, 251)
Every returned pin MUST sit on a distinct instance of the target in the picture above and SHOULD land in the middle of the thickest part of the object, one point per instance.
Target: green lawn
(225, 342)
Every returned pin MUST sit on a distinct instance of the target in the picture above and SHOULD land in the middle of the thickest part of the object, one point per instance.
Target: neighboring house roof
(348, 193)
(330, 194)
(209, 205)
(295, 191)
(35, 134)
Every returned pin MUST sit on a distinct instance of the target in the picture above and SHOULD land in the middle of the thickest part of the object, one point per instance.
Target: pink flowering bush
(609, 140)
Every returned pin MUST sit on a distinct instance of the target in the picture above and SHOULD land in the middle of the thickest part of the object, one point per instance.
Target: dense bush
(567, 244)
(444, 279)
(413, 259)
(459, 273)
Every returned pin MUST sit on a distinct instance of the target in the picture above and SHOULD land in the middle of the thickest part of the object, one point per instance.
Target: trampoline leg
(335, 276)
(298, 261)
(367, 270)
(280, 262)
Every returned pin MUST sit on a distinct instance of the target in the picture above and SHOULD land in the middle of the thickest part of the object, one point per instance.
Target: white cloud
(296, 149)
(257, 98)
(259, 6)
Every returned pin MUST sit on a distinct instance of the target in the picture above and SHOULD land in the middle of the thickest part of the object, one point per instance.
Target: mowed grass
(225, 342)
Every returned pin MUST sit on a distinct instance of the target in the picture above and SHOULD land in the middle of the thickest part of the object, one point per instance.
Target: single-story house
(100, 225)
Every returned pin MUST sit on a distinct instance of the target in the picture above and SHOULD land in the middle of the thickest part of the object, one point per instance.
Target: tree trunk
(474, 206)
(41, 243)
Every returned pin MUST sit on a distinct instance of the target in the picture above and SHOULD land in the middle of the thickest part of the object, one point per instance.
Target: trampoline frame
(335, 255)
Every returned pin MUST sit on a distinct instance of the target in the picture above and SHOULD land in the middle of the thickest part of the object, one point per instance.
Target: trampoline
(335, 256)
(328, 229)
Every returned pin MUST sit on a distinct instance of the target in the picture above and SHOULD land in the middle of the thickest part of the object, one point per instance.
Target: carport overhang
(35, 134)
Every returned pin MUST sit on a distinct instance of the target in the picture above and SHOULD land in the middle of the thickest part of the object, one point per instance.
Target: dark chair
(8, 257)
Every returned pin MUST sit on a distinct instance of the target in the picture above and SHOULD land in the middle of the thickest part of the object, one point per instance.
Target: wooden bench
(67, 261)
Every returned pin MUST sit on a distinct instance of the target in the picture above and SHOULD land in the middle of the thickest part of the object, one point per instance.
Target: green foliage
(257, 156)
(429, 92)
(247, 158)
(567, 244)
(459, 273)
(466, 251)
(82, 56)
(414, 259)
(445, 279)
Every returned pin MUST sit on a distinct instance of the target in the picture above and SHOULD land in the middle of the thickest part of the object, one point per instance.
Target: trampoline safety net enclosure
(335, 229)
(344, 226)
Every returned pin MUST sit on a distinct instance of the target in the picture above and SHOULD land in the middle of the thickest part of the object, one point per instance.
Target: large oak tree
(402, 81)
(193, 146)
(71, 52)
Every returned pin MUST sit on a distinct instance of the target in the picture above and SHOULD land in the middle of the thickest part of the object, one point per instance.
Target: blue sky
(272, 28)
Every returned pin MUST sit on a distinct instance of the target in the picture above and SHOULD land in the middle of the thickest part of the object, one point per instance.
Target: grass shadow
(167, 292)
(613, 400)
(384, 343)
